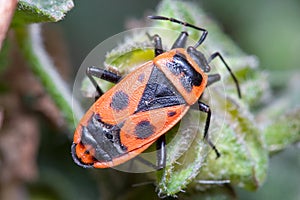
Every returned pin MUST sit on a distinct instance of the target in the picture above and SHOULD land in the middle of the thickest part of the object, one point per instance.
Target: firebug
(145, 104)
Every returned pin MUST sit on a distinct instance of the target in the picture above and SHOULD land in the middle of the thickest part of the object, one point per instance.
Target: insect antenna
(203, 36)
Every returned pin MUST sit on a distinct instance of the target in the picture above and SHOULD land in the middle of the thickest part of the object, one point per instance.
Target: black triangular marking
(159, 93)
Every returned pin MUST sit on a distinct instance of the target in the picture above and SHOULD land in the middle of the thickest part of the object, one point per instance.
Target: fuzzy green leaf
(283, 132)
(243, 144)
(244, 159)
(244, 156)
(29, 11)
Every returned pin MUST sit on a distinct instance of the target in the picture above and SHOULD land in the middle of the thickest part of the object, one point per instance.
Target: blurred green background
(268, 29)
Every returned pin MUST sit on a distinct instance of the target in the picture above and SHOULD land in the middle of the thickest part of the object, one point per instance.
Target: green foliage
(283, 131)
(245, 144)
(41, 11)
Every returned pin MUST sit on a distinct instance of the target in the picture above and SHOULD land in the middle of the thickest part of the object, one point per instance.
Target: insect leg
(146, 162)
(161, 152)
(217, 54)
(160, 156)
(205, 108)
(158, 49)
(181, 40)
(212, 78)
(92, 72)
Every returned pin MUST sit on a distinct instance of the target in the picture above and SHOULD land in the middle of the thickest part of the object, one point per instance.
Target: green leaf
(280, 119)
(128, 56)
(283, 131)
(243, 143)
(186, 155)
(244, 157)
(29, 11)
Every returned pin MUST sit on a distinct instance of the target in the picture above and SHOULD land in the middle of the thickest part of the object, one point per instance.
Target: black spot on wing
(171, 113)
(159, 93)
(120, 101)
(144, 129)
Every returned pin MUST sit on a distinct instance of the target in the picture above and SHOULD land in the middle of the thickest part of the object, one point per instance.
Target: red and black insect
(145, 104)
